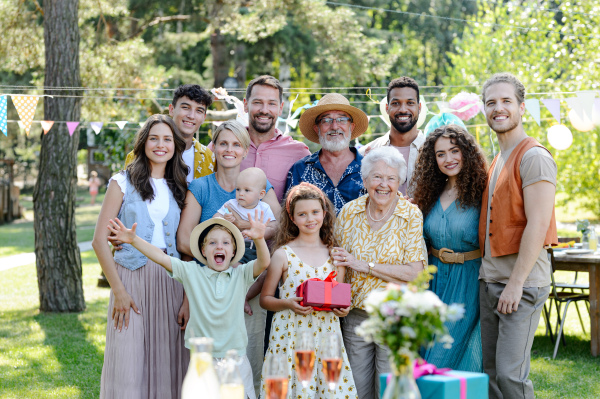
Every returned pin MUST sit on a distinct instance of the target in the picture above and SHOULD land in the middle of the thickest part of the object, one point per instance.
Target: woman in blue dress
(448, 183)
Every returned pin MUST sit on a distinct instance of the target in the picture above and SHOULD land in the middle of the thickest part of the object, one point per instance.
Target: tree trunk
(57, 254)
(220, 56)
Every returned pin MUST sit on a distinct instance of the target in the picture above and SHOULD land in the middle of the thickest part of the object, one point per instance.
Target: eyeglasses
(343, 121)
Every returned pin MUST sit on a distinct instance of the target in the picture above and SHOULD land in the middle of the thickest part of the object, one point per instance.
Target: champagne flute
(305, 358)
(276, 376)
(331, 357)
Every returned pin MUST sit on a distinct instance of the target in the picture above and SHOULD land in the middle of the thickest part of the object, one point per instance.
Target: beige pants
(367, 360)
(255, 327)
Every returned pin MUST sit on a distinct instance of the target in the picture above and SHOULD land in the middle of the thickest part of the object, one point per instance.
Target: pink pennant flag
(121, 124)
(72, 126)
(46, 126)
(553, 106)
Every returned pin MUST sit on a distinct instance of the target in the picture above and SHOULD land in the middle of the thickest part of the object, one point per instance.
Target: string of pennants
(584, 111)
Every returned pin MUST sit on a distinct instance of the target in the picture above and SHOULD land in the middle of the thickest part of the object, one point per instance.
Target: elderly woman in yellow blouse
(381, 241)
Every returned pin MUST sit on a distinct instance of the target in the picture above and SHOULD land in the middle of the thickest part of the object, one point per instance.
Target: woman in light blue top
(449, 180)
(208, 193)
(144, 354)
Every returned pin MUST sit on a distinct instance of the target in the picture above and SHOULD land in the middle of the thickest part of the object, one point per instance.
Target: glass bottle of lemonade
(201, 378)
(593, 239)
(232, 386)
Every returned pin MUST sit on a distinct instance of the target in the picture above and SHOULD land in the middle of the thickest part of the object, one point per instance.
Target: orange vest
(507, 209)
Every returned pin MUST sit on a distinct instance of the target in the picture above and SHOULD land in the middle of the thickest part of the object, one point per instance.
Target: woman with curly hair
(449, 180)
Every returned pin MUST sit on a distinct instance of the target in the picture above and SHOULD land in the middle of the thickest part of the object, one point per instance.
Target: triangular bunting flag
(72, 126)
(533, 106)
(3, 116)
(575, 104)
(586, 99)
(141, 124)
(96, 126)
(46, 126)
(553, 106)
(121, 124)
(25, 106)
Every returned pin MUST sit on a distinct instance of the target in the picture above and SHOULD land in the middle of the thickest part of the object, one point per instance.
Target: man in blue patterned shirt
(335, 168)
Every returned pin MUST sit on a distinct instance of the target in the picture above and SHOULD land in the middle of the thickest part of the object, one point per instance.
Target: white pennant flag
(533, 106)
(121, 124)
(96, 126)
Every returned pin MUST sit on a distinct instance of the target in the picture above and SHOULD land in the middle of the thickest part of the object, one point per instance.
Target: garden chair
(560, 297)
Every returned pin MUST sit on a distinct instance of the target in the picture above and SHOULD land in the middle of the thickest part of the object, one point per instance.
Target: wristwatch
(371, 266)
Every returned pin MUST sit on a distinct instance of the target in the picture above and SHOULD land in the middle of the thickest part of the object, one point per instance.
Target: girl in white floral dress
(303, 243)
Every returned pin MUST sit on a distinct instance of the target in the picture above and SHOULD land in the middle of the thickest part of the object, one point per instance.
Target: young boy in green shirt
(217, 292)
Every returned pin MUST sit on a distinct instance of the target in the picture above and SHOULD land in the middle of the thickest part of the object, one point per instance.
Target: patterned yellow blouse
(399, 241)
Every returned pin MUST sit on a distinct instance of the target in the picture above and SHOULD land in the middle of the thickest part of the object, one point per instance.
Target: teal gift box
(448, 386)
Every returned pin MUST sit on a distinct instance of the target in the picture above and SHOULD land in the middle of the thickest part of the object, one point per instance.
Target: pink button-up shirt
(275, 157)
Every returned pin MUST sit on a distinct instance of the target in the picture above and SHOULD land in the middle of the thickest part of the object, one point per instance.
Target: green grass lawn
(50, 355)
(17, 237)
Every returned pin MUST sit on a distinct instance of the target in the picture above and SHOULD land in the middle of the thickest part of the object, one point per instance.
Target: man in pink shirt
(269, 149)
(275, 154)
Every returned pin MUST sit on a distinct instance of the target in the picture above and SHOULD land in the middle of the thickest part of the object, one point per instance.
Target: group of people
(190, 226)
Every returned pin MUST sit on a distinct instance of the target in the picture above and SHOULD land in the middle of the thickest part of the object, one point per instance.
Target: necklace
(378, 220)
(450, 191)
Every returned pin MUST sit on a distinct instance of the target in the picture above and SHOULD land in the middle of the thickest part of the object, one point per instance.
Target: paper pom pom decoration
(581, 123)
(560, 137)
(466, 105)
(442, 119)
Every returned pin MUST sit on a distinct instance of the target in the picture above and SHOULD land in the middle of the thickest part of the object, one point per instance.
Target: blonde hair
(509, 78)
(238, 130)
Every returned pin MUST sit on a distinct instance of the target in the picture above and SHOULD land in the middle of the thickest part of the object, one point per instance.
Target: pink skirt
(149, 359)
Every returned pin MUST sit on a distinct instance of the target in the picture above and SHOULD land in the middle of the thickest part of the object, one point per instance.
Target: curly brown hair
(288, 231)
(428, 181)
(140, 170)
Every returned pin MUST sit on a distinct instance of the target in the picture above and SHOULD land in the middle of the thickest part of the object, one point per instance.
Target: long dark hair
(176, 170)
(428, 181)
(288, 231)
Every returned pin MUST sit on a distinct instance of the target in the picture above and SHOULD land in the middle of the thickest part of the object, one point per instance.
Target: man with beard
(335, 168)
(269, 149)
(403, 108)
(514, 278)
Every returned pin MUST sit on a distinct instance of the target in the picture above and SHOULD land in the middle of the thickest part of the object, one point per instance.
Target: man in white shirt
(403, 108)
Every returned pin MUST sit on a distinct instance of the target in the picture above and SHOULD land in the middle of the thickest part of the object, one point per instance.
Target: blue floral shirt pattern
(310, 170)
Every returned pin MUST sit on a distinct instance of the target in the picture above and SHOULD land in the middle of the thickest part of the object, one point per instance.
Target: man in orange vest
(516, 224)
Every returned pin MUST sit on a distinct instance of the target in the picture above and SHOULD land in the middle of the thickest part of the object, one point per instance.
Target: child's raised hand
(257, 227)
(120, 232)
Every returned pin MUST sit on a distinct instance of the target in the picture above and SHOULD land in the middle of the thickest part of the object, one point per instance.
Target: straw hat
(203, 228)
(332, 102)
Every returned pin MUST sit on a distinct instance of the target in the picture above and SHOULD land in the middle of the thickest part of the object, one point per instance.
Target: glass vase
(585, 239)
(402, 384)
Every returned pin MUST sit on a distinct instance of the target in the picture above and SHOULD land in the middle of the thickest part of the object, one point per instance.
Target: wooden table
(591, 264)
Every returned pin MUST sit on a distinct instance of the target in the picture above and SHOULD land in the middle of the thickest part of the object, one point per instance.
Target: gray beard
(335, 146)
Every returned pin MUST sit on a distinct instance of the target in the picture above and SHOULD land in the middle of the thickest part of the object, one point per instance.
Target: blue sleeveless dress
(457, 229)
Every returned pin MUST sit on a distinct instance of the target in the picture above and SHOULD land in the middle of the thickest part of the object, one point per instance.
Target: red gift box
(324, 294)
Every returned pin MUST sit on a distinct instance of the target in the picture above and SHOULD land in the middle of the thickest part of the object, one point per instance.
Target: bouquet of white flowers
(406, 317)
